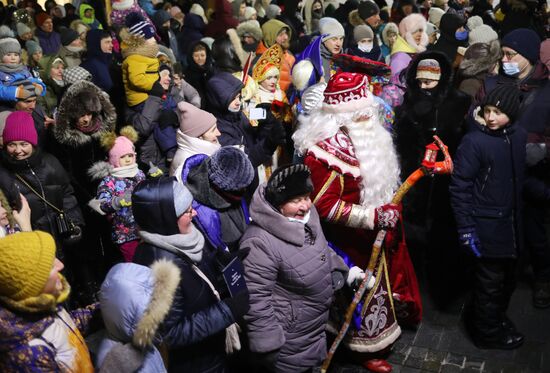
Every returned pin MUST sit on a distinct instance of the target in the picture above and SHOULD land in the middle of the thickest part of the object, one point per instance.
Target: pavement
(440, 343)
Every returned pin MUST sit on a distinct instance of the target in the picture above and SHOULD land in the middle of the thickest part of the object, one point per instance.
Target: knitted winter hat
(331, 27)
(22, 29)
(347, 92)
(524, 41)
(505, 97)
(182, 198)
(229, 169)
(474, 22)
(122, 147)
(68, 35)
(430, 28)
(26, 261)
(367, 9)
(198, 10)
(41, 18)
(20, 127)
(137, 25)
(32, 47)
(9, 45)
(428, 69)
(434, 15)
(272, 11)
(362, 32)
(174, 11)
(249, 13)
(482, 34)
(75, 74)
(288, 182)
(194, 121)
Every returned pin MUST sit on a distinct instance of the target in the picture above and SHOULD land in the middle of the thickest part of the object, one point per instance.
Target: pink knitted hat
(20, 127)
(193, 121)
(122, 147)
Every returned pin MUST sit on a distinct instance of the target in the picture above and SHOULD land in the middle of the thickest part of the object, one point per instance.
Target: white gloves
(355, 277)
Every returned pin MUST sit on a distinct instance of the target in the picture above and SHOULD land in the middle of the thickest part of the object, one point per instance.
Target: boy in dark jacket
(486, 189)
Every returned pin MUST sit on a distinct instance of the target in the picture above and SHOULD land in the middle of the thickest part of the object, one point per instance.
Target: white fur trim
(167, 279)
(346, 107)
(333, 161)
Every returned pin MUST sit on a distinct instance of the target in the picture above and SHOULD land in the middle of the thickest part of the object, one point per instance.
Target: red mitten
(387, 216)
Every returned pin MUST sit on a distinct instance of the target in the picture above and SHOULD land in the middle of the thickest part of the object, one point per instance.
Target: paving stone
(450, 368)
(433, 361)
(474, 363)
(428, 335)
(455, 359)
(409, 370)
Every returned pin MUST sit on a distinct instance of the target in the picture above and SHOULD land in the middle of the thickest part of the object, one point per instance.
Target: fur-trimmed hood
(480, 58)
(355, 19)
(75, 103)
(100, 170)
(135, 300)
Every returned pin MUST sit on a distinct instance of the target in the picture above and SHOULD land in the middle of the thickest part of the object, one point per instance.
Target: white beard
(377, 162)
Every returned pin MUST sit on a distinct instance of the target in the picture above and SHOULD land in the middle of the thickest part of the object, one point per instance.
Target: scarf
(126, 171)
(94, 127)
(40, 303)
(11, 68)
(190, 244)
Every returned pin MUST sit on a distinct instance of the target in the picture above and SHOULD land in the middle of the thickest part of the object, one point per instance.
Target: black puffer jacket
(194, 329)
(44, 173)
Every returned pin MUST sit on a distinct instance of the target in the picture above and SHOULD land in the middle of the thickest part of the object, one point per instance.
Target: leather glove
(469, 240)
(239, 304)
(223, 258)
(154, 171)
(122, 201)
(21, 93)
(387, 216)
(156, 90)
(276, 137)
(38, 89)
(534, 153)
(356, 276)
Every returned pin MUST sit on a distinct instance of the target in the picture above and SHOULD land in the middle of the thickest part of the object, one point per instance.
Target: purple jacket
(49, 41)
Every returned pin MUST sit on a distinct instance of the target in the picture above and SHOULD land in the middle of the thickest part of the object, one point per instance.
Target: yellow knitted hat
(26, 261)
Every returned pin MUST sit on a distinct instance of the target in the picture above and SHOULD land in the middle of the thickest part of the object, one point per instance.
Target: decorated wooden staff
(429, 167)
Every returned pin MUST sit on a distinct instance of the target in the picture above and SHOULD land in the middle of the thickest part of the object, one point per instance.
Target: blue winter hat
(524, 41)
(137, 25)
(229, 169)
(182, 198)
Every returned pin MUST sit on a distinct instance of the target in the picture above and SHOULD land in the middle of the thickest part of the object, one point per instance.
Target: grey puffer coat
(289, 273)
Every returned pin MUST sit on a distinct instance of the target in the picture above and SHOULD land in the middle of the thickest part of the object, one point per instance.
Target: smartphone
(257, 113)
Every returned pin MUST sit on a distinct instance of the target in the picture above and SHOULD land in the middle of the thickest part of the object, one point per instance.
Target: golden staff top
(429, 167)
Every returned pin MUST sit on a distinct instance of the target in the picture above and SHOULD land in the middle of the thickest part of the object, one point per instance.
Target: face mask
(365, 47)
(427, 92)
(461, 35)
(511, 68)
(304, 220)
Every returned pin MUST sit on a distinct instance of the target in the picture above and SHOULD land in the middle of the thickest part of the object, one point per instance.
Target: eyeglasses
(509, 55)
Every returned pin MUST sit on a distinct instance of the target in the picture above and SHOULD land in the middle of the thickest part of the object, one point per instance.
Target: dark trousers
(536, 239)
(494, 283)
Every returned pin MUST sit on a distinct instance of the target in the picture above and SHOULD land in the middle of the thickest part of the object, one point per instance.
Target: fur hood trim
(134, 44)
(251, 27)
(471, 67)
(64, 130)
(167, 279)
(100, 170)
(355, 19)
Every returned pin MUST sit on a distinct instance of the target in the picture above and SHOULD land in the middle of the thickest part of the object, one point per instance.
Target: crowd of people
(200, 186)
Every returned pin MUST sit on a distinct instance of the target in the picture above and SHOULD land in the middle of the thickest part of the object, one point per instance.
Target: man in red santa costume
(355, 173)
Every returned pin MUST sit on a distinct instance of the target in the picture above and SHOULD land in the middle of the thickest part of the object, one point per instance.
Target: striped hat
(428, 69)
(139, 26)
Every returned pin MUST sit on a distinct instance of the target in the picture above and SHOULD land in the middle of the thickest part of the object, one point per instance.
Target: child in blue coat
(17, 81)
(486, 195)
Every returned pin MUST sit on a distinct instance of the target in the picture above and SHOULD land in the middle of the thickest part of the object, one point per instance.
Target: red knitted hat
(20, 127)
(41, 18)
(347, 92)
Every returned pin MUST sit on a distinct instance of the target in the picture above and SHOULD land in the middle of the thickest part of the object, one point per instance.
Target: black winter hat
(524, 41)
(288, 182)
(505, 97)
(367, 9)
(68, 35)
(229, 169)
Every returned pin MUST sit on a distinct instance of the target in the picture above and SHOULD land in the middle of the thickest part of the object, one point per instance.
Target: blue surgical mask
(511, 68)
(461, 35)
